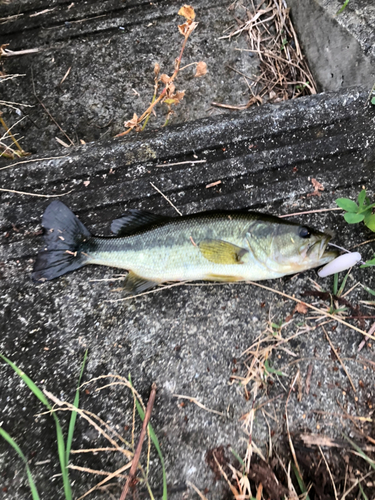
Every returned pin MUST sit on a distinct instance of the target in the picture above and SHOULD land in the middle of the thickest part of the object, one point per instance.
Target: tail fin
(64, 235)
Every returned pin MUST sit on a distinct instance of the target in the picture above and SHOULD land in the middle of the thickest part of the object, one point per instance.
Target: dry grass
(284, 72)
(9, 145)
(128, 449)
(276, 336)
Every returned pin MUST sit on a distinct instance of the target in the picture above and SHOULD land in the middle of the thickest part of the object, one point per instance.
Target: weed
(63, 450)
(169, 95)
(358, 212)
(64, 447)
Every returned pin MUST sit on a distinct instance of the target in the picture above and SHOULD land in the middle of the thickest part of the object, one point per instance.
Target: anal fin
(136, 284)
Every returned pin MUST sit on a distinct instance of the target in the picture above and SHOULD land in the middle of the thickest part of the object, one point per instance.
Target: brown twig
(33, 194)
(138, 450)
(48, 113)
(33, 160)
(329, 472)
(287, 424)
(310, 306)
(339, 359)
(168, 200)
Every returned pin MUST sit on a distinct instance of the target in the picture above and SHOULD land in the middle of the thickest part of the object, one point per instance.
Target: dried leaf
(174, 98)
(165, 78)
(187, 28)
(133, 123)
(156, 69)
(187, 12)
(317, 187)
(301, 308)
(180, 95)
(2, 49)
(201, 69)
(170, 89)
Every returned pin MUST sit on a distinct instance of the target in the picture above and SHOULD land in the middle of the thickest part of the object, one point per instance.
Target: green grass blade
(11, 441)
(30, 384)
(301, 484)
(341, 10)
(59, 434)
(73, 416)
(155, 442)
(362, 453)
(236, 455)
(365, 497)
(341, 289)
(335, 283)
(368, 290)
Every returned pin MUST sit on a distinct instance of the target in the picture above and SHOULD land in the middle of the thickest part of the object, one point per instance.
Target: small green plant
(62, 447)
(358, 212)
(269, 370)
(276, 328)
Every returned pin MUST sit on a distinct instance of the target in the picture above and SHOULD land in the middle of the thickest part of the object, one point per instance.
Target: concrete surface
(111, 48)
(188, 340)
(340, 48)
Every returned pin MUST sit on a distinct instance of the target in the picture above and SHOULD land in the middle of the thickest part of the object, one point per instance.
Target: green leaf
(370, 222)
(361, 197)
(353, 218)
(373, 101)
(335, 283)
(234, 453)
(341, 289)
(301, 484)
(365, 497)
(11, 441)
(73, 416)
(347, 205)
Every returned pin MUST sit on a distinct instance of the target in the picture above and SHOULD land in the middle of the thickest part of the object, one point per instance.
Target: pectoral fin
(221, 252)
(136, 284)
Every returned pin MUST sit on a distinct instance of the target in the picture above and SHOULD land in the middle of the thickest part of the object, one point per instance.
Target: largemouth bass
(216, 246)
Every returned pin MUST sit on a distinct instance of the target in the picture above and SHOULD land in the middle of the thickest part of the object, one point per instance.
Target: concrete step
(184, 338)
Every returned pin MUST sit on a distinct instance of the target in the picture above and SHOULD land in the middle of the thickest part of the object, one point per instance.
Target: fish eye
(304, 232)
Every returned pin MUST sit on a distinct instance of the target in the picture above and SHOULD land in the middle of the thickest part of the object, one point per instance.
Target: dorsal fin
(135, 220)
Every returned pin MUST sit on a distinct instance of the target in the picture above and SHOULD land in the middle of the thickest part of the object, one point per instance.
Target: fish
(222, 246)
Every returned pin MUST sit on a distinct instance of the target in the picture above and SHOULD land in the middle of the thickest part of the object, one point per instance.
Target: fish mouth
(320, 249)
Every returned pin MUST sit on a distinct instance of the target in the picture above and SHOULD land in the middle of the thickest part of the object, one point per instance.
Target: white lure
(339, 264)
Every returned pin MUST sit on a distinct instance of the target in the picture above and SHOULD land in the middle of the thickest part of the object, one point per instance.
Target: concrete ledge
(186, 339)
(340, 48)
